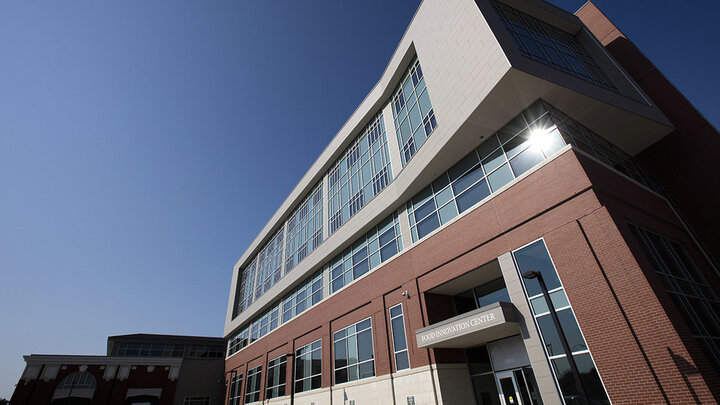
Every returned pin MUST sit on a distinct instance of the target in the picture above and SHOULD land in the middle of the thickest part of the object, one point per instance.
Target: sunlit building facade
(494, 224)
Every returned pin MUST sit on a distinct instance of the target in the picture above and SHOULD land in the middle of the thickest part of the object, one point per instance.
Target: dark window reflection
(590, 379)
(535, 257)
(478, 360)
(569, 326)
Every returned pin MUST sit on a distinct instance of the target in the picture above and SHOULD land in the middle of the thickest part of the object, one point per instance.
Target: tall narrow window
(400, 348)
(245, 293)
(360, 174)
(235, 395)
(276, 376)
(354, 354)
(412, 112)
(304, 228)
(270, 265)
(535, 257)
(252, 388)
(308, 367)
(687, 288)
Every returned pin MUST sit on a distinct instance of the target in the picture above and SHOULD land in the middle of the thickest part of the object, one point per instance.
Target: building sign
(462, 325)
(453, 329)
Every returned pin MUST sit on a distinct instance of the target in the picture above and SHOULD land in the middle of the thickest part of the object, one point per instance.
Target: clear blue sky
(143, 144)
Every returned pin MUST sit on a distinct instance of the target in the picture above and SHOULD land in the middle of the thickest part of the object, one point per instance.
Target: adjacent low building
(520, 212)
(138, 369)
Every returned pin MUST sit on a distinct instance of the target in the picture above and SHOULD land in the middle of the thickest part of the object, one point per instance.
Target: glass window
(412, 112)
(206, 352)
(551, 46)
(245, 291)
(482, 376)
(485, 389)
(252, 388)
(535, 257)
(127, 349)
(304, 229)
(397, 325)
(354, 355)
(235, 396)
(309, 293)
(483, 295)
(491, 292)
(308, 367)
(276, 375)
(687, 287)
(520, 145)
(79, 380)
(270, 265)
(361, 173)
(239, 341)
(579, 136)
(366, 253)
(265, 323)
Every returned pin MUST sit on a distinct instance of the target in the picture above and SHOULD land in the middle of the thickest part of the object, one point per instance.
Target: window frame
(392, 336)
(345, 339)
(254, 375)
(309, 352)
(282, 377)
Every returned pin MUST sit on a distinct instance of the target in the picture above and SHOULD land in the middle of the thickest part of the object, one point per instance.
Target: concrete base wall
(418, 383)
(452, 382)
(441, 384)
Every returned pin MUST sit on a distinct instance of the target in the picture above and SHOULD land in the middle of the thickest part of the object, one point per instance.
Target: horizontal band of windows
(377, 246)
(367, 252)
(302, 232)
(127, 349)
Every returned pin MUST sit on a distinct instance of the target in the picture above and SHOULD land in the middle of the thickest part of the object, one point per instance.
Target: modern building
(513, 215)
(138, 369)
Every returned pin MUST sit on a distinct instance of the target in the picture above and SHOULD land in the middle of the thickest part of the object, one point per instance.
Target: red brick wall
(106, 392)
(552, 202)
(682, 160)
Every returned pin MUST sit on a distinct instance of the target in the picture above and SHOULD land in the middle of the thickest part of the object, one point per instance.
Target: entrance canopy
(491, 322)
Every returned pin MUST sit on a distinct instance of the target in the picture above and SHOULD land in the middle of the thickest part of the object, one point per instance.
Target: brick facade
(574, 203)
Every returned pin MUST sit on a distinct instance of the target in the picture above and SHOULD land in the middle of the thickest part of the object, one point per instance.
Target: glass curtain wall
(270, 265)
(304, 229)
(360, 174)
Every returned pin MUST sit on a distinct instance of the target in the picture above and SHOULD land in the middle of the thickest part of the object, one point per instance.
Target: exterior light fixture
(530, 275)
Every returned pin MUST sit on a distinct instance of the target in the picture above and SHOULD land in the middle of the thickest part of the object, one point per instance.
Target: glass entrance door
(517, 387)
(508, 388)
